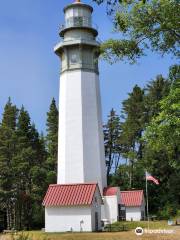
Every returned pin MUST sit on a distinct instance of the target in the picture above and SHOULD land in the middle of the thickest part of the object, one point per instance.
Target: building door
(142, 215)
(96, 222)
(122, 212)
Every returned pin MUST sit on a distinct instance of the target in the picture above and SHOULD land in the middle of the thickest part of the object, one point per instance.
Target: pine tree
(155, 91)
(23, 162)
(134, 117)
(52, 141)
(10, 115)
(31, 174)
(38, 177)
(23, 170)
(7, 152)
(111, 141)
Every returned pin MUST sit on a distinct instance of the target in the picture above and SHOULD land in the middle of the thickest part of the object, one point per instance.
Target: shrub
(168, 212)
(127, 225)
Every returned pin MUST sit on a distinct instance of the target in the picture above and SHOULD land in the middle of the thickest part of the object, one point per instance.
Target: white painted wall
(78, 34)
(63, 219)
(133, 213)
(110, 209)
(81, 149)
(70, 154)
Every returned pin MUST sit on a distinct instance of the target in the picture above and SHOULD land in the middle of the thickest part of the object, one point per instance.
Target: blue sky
(29, 70)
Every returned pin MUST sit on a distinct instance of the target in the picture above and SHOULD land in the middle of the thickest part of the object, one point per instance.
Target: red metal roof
(70, 194)
(110, 191)
(132, 198)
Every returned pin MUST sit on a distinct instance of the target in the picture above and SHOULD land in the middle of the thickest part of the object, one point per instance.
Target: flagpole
(147, 202)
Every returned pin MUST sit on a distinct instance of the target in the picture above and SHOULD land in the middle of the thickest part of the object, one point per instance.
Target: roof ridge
(133, 191)
(73, 184)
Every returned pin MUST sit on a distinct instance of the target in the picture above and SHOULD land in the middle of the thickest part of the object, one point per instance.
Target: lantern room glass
(78, 17)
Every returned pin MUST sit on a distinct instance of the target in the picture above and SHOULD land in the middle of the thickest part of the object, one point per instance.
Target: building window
(78, 21)
(74, 58)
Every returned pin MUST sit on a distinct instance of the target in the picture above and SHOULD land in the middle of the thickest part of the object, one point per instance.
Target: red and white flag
(149, 177)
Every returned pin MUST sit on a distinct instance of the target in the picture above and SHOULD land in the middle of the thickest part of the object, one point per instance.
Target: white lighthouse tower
(75, 203)
(81, 156)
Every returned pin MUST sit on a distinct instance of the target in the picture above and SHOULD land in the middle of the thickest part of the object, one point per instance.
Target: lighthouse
(81, 156)
(80, 199)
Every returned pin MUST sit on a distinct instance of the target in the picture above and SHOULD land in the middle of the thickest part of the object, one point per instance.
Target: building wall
(80, 150)
(133, 213)
(111, 208)
(70, 169)
(93, 147)
(96, 207)
(78, 34)
(63, 219)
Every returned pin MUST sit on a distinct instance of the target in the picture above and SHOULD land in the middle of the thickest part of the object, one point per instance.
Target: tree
(138, 110)
(52, 141)
(7, 152)
(174, 74)
(10, 115)
(23, 162)
(38, 177)
(30, 173)
(155, 91)
(162, 152)
(163, 131)
(112, 146)
(23, 170)
(144, 24)
(134, 115)
(122, 176)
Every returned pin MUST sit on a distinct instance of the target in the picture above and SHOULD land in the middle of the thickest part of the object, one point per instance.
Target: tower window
(74, 58)
(78, 21)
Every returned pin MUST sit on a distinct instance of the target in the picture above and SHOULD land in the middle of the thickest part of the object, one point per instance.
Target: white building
(134, 203)
(73, 207)
(81, 155)
(111, 199)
